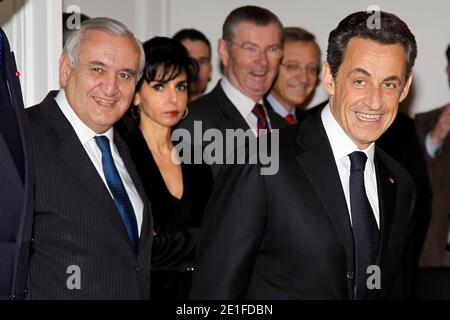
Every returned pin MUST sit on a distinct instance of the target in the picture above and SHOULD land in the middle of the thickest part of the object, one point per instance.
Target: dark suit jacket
(288, 236)
(76, 219)
(434, 253)
(17, 181)
(215, 110)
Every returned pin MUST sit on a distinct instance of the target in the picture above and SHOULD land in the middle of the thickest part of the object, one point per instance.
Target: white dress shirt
(244, 105)
(432, 149)
(278, 107)
(86, 136)
(342, 146)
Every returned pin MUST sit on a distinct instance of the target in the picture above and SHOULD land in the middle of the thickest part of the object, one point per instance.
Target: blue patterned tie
(117, 188)
(365, 229)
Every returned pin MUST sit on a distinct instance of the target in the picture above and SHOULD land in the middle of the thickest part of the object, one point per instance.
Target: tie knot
(103, 144)
(290, 119)
(358, 161)
(258, 110)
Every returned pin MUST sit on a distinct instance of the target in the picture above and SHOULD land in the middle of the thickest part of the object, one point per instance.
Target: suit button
(350, 275)
(138, 269)
(13, 297)
(32, 240)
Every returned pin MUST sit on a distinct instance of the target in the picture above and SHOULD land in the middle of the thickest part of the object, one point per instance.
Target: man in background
(199, 49)
(433, 128)
(298, 75)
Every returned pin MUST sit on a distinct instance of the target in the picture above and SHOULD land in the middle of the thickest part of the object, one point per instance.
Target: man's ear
(64, 70)
(222, 50)
(327, 79)
(406, 88)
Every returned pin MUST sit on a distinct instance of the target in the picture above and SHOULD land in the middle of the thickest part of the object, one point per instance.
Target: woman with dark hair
(178, 192)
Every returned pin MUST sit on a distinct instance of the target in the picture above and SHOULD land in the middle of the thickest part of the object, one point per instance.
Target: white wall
(34, 31)
(427, 19)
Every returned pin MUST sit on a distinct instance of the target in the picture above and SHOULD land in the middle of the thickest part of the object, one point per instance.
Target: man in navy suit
(16, 180)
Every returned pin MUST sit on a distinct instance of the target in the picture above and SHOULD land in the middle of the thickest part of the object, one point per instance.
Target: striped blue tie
(117, 188)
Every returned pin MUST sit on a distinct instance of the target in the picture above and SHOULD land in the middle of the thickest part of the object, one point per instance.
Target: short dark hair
(166, 59)
(193, 35)
(293, 34)
(392, 30)
(253, 14)
(447, 53)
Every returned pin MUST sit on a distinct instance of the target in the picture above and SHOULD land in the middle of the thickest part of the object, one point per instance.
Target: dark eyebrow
(393, 78)
(360, 70)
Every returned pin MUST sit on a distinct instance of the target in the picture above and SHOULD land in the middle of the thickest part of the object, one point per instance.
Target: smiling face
(163, 102)
(100, 86)
(251, 74)
(298, 74)
(365, 94)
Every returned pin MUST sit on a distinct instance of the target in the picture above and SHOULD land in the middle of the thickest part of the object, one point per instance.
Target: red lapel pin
(17, 74)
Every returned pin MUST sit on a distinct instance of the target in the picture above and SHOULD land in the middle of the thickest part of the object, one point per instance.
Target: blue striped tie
(117, 188)
(365, 229)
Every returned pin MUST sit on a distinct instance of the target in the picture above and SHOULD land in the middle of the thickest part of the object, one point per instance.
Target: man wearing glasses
(298, 75)
(250, 51)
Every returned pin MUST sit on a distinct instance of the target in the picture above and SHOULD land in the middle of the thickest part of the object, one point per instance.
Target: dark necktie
(118, 191)
(258, 111)
(290, 119)
(365, 230)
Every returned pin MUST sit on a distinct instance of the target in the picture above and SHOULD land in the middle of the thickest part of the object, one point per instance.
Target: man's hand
(442, 127)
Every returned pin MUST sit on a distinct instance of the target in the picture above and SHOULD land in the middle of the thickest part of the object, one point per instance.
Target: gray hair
(111, 26)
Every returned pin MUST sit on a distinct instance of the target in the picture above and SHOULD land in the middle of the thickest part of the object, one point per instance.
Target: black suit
(17, 181)
(76, 220)
(288, 236)
(215, 110)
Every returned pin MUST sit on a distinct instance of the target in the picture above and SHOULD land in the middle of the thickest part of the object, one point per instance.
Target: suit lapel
(229, 111)
(75, 157)
(316, 159)
(387, 190)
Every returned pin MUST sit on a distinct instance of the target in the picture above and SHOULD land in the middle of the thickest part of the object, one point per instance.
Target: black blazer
(76, 219)
(215, 110)
(171, 215)
(288, 235)
(16, 176)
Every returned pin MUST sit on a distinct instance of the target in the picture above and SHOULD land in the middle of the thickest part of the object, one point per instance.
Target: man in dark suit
(250, 51)
(335, 221)
(17, 180)
(433, 128)
(297, 77)
(92, 234)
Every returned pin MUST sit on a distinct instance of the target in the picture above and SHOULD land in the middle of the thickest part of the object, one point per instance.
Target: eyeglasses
(253, 50)
(294, 67)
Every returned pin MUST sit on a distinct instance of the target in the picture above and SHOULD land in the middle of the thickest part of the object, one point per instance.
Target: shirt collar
(340, 142)
(278, 107)
(243, 103)
(84, 133)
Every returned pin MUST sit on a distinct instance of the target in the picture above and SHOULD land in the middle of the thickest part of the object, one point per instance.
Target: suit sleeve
(231, 233)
